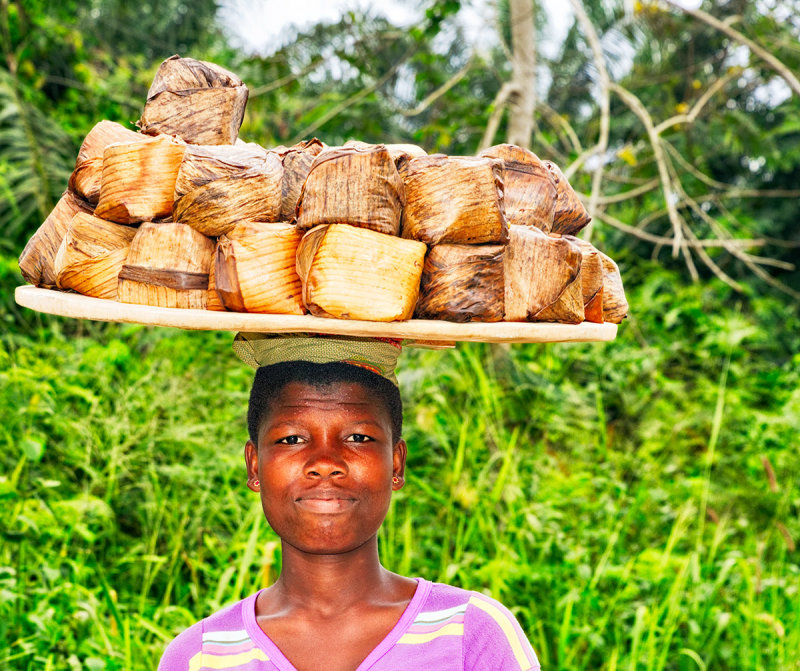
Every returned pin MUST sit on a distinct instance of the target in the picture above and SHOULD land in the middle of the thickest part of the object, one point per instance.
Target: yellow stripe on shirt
(452, 629)
(508, 629)
(206, 661)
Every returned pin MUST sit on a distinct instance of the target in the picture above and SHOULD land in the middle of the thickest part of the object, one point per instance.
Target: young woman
(325, 454)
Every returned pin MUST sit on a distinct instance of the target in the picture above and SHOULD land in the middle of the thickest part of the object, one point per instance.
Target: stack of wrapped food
(183, 214)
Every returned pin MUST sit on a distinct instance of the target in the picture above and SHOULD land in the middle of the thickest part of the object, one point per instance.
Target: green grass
(635, 503)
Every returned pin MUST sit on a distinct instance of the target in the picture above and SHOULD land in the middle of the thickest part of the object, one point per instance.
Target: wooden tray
(421, 330)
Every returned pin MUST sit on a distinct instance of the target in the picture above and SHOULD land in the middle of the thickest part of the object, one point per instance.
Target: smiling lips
(322, 502)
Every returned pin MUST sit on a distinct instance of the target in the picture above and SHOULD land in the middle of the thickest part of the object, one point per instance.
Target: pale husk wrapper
(199, 102)
(87, 176)
(570, 215)
(405, 151)
(253, 195)
(462, 283)
(297, 162)
(453, 199)
(615, 305)
(529, 188)
(169, 250)
(356, 185)
(37, 261)
(542, 278)
(355, 273)
(591, 280)
(255, 269)
(91, 256)
(139, 180)
(203, 164)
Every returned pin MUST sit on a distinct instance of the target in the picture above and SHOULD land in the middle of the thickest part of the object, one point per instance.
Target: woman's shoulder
(222, 633)
(492, 636)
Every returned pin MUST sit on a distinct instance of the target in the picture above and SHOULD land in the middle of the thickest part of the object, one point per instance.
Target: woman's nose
(325, 461)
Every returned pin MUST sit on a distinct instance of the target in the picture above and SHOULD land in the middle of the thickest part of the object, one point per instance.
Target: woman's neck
(327, 584)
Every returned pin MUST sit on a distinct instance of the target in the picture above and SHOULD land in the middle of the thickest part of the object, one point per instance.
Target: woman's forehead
(299, 397)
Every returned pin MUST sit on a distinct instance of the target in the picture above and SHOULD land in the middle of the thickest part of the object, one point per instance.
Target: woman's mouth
(326, 504)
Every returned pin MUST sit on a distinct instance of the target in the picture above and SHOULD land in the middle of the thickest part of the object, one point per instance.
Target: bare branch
(363, 93)
(438, 93)
(776, 64)
(660, 240)
(730, 190)
(625, 195)
(498, 106)
(605, 105)
(693, 113)
(640, 111)
(283, 81)
(557, 119)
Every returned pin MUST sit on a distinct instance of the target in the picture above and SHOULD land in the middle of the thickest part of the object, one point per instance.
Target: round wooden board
(421, 330)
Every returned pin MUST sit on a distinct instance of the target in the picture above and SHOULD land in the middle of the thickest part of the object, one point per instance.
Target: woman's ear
(399, 453)
(251, 461)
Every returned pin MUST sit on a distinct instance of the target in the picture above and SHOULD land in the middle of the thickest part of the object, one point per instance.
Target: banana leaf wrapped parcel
(462, 283)
(349, 272)
(199, 102)
(255, 268)
(454, 199)
(168, 266)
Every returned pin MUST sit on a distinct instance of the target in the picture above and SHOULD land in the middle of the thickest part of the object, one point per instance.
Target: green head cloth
(378, 355)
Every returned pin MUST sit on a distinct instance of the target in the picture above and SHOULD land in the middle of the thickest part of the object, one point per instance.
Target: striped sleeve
(493, 638)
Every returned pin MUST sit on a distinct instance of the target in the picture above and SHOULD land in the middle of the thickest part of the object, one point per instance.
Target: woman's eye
(359, 438)
(289, 440)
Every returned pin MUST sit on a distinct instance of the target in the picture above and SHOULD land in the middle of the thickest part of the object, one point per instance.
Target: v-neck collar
(260, 638)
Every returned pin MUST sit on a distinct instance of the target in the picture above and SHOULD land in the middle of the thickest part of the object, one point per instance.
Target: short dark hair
(270, 381)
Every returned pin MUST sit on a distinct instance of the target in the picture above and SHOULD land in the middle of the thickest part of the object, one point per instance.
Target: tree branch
(498, 107)
(605, 105)
(736, 36)
(438, 93)
(670, 198)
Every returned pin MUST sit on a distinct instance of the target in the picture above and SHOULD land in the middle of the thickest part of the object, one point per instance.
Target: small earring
(256, 483)
(395, 480)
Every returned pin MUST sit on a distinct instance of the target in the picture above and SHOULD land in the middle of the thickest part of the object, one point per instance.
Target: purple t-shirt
(443, 628)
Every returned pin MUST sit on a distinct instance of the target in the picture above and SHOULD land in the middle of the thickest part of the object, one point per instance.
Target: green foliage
(617, 495)
(636, 502)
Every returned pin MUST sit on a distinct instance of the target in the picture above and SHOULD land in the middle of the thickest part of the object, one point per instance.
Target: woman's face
(325, 463)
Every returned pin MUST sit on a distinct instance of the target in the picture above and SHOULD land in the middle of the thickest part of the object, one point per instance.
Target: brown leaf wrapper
(530, 191)
(139, 180)
(297, 162)
(462, 283)
(253, 195)
(204, 164)
(453, 199)
(615, 305)
(355, 273)
(356, 185)
(199, 102)
(542, 278)
(37, 261)
(87, 177)
(214, 302)
(168, 266)
(255, 269)
(591, 280)
(91, 256)
(570, 215)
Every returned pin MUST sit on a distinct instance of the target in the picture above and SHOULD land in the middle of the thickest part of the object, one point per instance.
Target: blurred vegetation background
(636, 503)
